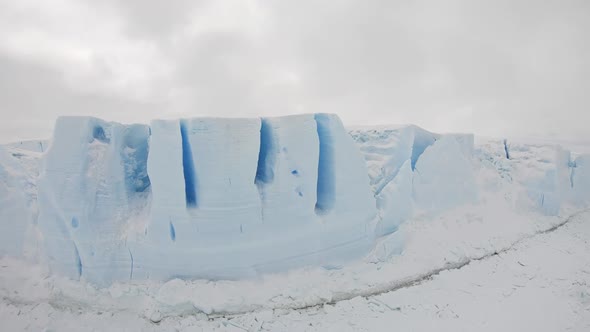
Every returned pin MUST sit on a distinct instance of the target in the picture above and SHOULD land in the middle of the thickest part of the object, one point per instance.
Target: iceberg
(202, 197)
(216, 198)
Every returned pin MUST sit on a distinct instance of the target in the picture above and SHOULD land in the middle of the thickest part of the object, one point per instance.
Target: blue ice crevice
(172, 232)
(188, 167)
(326, 185)
(506, 150)
(99, 134)
(266, 154)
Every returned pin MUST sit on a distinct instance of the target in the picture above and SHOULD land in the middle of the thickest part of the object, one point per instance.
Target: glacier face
(232, 198)
(202, 197)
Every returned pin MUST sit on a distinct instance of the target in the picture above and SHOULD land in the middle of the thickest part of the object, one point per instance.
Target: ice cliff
(233, 198)
(202, 197)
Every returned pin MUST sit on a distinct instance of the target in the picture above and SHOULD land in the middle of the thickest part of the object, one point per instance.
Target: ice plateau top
(233, 198)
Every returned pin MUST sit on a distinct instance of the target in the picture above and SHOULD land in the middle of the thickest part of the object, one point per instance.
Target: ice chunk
(91, 173)
(444, 177)
(386, 149)
(394, 157)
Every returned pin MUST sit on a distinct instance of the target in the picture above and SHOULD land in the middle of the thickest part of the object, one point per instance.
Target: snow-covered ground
(538, 284)
(470, 234)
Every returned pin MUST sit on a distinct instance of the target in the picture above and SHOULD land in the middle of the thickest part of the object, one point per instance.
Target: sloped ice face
(444, 176)
(412, 169)
(202, 197)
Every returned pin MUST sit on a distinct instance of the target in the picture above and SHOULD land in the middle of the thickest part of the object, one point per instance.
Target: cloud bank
(491, 67)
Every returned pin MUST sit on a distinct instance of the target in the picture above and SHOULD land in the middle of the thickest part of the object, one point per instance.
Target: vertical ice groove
(266, 155)
(78, 261)
(131, 258)
(506, 151)
(572, 166)
(326, 172)
(190, 179)
(172, 232)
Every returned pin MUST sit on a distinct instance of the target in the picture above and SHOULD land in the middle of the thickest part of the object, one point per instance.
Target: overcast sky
(497, 67)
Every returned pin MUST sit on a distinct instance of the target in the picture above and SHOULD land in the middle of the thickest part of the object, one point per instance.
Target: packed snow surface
(538, 284)
(233, 216)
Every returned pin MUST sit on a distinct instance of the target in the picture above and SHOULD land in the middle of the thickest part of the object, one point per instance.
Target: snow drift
(233, 198)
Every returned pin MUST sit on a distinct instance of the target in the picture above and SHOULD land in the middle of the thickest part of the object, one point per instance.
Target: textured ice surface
(90, 177)
(549, 175)
(32, 145)
(15, 215)
(443, 177)
(222, 198)
(232, 198)
(411, 168)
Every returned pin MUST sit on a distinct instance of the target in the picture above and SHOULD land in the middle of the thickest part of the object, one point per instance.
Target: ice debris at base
(233, 198)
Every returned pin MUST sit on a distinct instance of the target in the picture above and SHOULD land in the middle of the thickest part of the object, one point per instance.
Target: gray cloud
(493, 67)
(32, 96)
